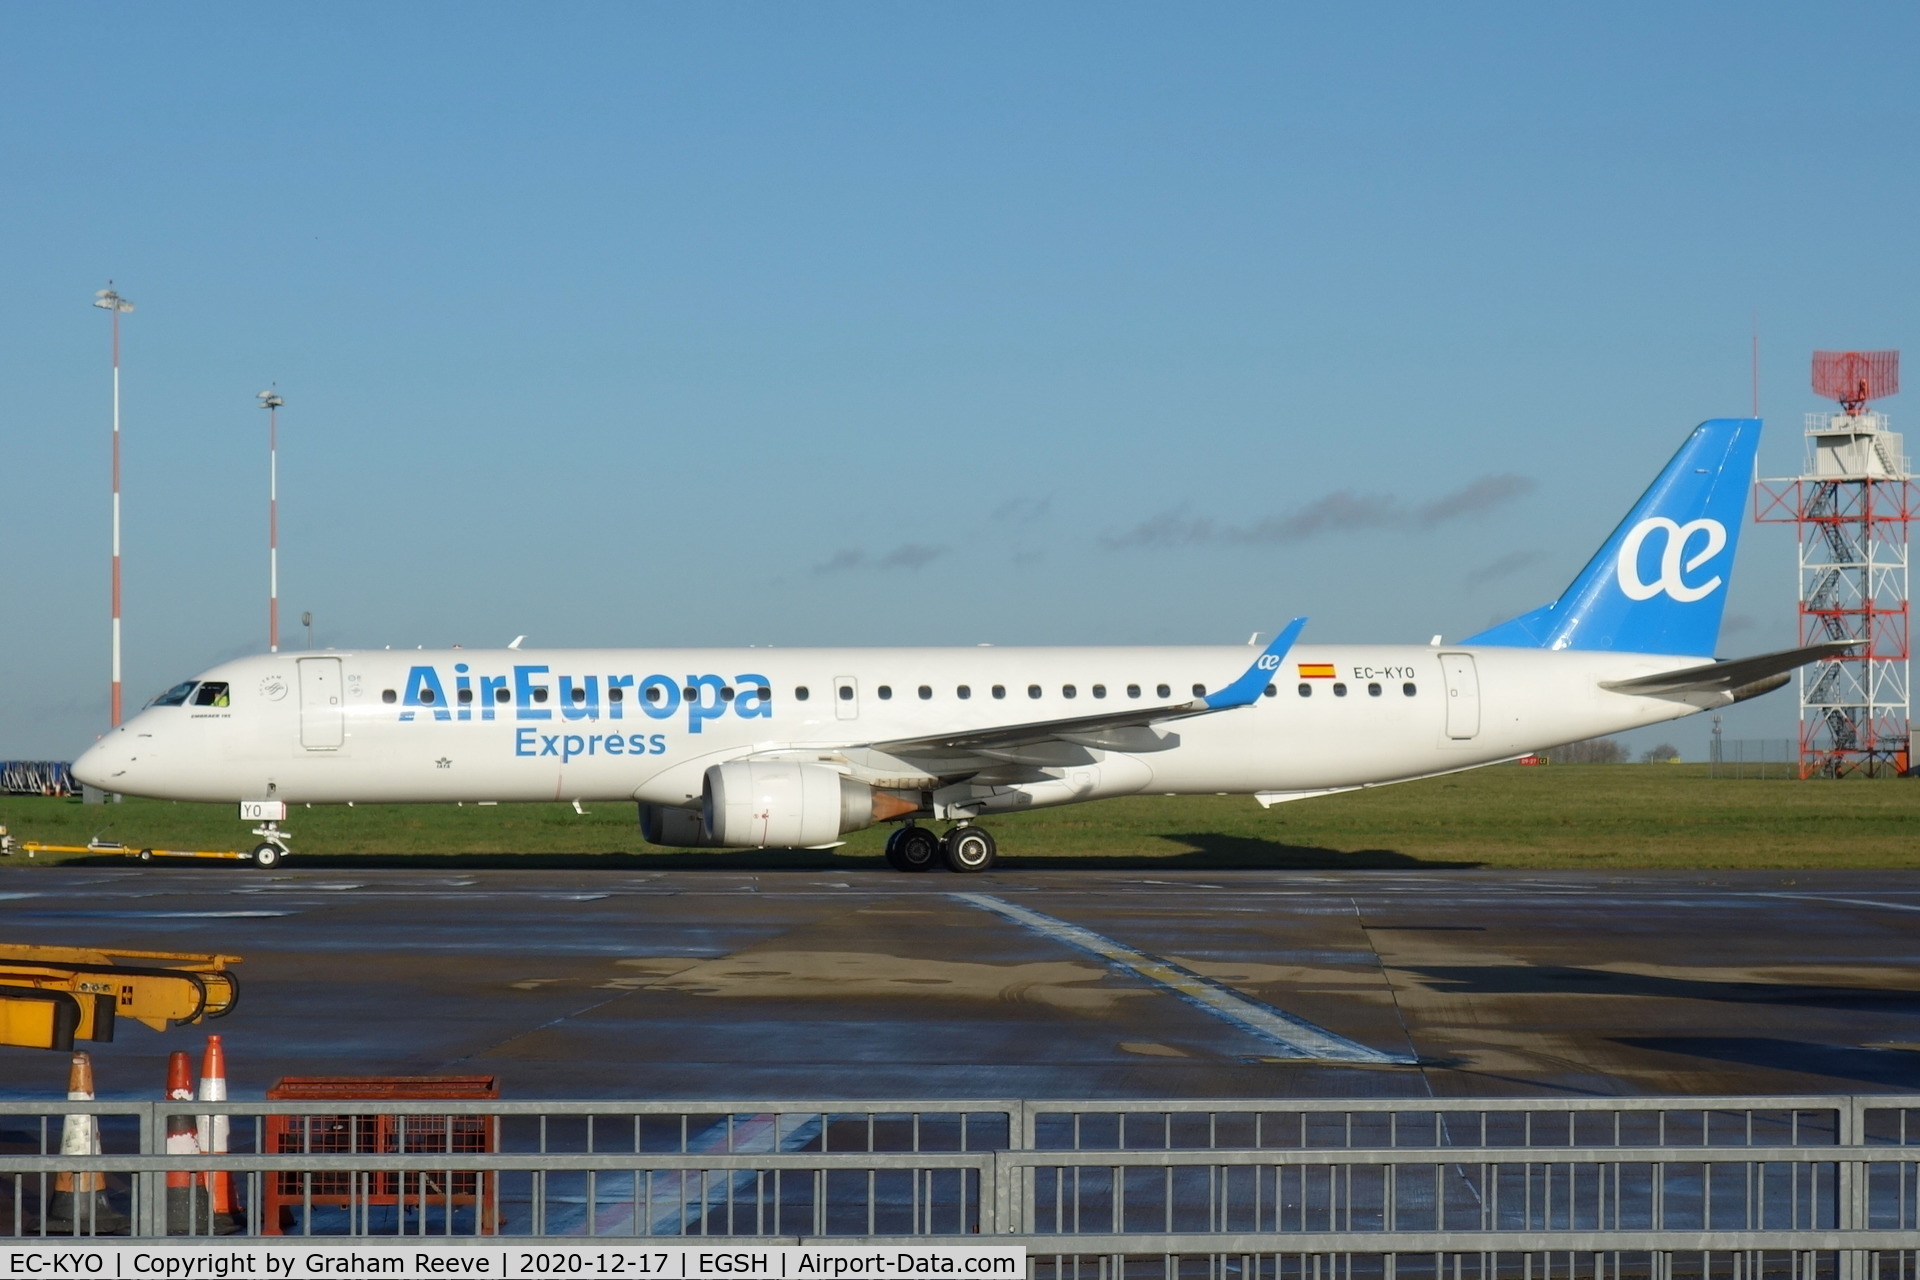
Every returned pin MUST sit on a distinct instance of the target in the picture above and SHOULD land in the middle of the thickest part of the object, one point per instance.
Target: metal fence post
(1850, 1184)
(150, 1186)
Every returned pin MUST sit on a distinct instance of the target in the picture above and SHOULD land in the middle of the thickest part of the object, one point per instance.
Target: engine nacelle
(676, 828)
(780, 804)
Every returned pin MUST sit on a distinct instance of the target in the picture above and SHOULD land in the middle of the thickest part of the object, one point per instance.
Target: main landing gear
(966, 849)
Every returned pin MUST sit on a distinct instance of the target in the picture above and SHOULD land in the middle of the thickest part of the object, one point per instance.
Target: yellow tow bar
(32, 847)
(52, 996)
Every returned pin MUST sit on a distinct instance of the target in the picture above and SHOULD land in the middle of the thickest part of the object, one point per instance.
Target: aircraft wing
(1107, 729)
(1728, 677)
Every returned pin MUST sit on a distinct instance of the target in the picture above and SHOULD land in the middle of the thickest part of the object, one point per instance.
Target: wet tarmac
(1039, 984)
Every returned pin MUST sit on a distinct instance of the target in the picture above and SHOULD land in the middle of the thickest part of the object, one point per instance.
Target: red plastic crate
(288, 1192)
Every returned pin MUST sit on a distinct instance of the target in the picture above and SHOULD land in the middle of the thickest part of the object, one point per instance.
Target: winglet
(1260, 674)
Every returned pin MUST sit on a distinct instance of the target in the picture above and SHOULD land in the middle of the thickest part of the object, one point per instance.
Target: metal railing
(1744, 1188)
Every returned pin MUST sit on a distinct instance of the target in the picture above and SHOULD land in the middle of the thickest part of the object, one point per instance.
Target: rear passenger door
(1463, 695)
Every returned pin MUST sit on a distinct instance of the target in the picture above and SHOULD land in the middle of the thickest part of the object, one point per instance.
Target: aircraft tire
(146, 855)
(969, 850)
(268, 855)
(913, 849)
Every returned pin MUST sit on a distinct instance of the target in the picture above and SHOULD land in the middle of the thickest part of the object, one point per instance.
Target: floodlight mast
(270, 401)
(117, 306)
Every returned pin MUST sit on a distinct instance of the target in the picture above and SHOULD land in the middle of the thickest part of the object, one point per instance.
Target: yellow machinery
(52, 996)
(31, 847)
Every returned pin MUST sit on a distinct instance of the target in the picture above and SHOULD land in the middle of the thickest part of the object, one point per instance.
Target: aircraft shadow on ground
(1570, 980)
(1199, 851)
(1885, 1068)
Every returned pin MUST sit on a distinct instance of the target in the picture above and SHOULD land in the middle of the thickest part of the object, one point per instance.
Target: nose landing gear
(966, 849)
(273, 844)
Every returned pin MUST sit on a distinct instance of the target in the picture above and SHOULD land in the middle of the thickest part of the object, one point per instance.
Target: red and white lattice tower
(1852, 505)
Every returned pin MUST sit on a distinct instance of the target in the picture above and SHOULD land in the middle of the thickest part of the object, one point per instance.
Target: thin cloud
(1508, 564)
(908, 556)
(1342, 511)
(1023, 510)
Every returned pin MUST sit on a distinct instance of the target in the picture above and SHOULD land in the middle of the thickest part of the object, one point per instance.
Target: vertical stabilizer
(1659, 582)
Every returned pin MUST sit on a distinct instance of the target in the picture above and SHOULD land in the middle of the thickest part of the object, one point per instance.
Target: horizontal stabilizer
(1725, 677)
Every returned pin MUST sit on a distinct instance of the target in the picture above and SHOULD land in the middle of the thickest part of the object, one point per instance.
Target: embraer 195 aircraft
(796, 747)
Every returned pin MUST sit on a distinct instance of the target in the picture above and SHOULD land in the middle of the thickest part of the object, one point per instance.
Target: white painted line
(1297, 1037)
(1851, 902)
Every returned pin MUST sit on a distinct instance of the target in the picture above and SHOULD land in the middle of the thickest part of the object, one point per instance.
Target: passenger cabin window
(1133, 691)
(799, 693)
(1339, 689)
(761, 691)
(1199, 691)
(1269, 691)
(999, 691)
(614, 694)
(1163, 691)
(884, 692)
(1033, 691)
(964, 691)
(426, 696)
(466, 695)
(388, 695)
(846, 693)
(1068, 691)
(1408, 689)
(1306, 690)
(211, 694)
(177, 696)
(726, 693)
(1373, 690)
(652, 694)
(1099, 691)
(539, 695)
(926, 691)
(579, 694)
(499, 695)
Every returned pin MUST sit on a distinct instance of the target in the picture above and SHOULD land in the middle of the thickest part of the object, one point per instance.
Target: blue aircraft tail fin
(1659, 582)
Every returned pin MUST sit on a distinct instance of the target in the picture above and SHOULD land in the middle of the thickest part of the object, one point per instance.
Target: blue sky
(634, 325)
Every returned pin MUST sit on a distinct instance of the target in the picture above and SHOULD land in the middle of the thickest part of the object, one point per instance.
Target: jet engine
(783, 804)
(774, 804)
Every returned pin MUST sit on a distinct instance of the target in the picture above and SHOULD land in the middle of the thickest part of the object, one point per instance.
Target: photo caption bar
(438, 1260)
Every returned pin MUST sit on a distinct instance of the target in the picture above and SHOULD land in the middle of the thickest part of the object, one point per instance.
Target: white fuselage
(577, 724)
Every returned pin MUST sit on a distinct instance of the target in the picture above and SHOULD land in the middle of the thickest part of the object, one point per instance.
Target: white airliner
(797, 747)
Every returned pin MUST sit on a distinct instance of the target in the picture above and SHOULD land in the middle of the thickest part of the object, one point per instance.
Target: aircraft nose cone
(101, 764)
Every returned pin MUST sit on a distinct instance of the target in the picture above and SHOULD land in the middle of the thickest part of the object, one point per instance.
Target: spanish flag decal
(1316, 670)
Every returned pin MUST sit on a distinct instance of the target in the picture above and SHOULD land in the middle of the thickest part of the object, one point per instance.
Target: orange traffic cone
(186, 1203)
(78, 1205)
(212, 1135)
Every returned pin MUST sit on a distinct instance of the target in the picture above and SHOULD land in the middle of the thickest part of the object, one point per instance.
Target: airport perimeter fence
(1753, 758)
(1746, 1188)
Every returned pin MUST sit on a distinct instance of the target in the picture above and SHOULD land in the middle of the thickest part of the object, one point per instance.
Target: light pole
(306, 620)
(118, 306)
(270, 401)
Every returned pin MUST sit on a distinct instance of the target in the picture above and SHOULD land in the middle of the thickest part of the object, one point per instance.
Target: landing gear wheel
(913, 849)
(146, 855)
(969, 849)
(268, 855)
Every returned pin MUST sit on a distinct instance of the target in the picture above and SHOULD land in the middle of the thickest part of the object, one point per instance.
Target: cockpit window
(212, 694)
(176, 696)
